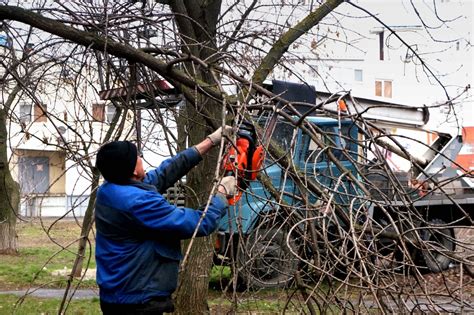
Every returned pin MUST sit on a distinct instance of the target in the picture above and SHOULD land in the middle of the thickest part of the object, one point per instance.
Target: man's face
(139, 172)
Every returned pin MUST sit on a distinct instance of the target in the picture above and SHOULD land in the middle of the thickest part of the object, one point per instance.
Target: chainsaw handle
(244, 159)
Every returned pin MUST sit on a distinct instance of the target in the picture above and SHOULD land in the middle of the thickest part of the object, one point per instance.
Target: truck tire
(387, 254)
(266, 260)
(439, 240)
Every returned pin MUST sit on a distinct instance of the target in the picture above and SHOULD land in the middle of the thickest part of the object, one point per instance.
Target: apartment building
(55, 126)
(364, 57)
(405, 60)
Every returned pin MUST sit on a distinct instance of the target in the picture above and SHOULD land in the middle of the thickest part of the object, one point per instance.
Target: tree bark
(9, 195)
(87, 224)
(88, 221)
(192, 293)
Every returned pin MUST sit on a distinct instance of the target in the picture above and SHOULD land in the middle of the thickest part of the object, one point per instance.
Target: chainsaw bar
(244, 159)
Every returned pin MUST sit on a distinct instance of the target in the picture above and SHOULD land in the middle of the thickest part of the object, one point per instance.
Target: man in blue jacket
(139, 232)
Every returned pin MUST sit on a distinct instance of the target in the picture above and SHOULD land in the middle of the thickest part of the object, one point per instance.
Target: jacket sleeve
(153, 211)
(172, 169)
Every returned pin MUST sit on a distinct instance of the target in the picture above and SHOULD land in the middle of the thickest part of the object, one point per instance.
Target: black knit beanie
(116, 161)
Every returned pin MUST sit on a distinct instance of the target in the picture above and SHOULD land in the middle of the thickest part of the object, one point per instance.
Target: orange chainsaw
(244, 159)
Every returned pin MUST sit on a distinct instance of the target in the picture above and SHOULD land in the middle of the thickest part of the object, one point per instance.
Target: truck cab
(314, 205)
(307, 156)
(259, 217)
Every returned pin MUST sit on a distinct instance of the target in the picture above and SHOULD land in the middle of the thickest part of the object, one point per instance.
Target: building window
(40, 112)
(110, 113)
(383, 88)
(25, 113)
(381, 46)
(98, 112)
(387, 89)
(358, 75)
(34, 175)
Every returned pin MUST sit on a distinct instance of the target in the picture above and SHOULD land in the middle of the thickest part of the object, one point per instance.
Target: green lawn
(10, 304)
(38, 267)
(46, 255)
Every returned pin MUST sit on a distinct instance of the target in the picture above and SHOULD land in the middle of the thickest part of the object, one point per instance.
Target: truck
(337, 186)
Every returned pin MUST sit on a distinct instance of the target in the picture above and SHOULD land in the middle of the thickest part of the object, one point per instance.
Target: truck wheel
(266, 260)
(437, 240)
(387, 254)
(391, 258)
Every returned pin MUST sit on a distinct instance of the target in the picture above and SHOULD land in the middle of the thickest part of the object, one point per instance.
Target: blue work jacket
(139, 232)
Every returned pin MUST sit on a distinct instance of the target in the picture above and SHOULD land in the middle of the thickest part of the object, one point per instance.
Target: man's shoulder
(111, 193)
(112, 187)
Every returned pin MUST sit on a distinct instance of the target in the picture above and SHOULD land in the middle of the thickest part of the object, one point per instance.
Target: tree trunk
(88, 220)
(194, 277)
(192, 293)
(9, 195)
(87, 224)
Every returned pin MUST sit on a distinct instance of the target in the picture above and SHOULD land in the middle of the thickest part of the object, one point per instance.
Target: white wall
(157, 144)
(353, 43)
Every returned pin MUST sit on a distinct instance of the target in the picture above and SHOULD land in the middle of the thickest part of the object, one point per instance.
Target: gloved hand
(216, 136)
(228, 186)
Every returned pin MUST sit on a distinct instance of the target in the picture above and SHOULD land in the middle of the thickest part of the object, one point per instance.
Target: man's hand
(216, 136)
(228, 186)
(212, 140)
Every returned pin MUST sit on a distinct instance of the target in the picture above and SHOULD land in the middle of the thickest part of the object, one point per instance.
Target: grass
(10, 304)
(220, 273)
(37, 267)
(41, 254)
(266, 302)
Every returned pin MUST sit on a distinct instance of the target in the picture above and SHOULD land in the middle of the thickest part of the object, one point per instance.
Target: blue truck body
(343, 135)
(256, 239)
